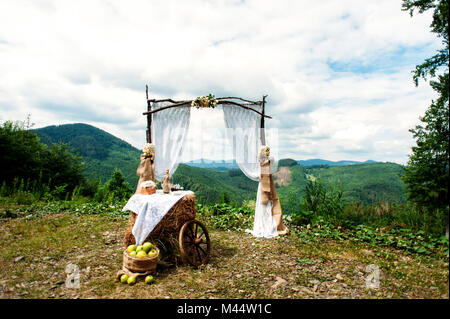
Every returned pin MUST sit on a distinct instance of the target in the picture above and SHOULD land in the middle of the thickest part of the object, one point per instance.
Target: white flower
(149, 149)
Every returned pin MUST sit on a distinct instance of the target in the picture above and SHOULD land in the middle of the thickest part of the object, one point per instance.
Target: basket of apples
(141, 259)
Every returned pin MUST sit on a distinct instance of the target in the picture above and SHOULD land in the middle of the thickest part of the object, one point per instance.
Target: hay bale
(169, 227)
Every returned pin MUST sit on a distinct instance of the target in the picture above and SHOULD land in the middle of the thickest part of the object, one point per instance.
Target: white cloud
(337, 72)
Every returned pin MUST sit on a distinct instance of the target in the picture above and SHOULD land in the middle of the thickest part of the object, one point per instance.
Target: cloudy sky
(337, 73)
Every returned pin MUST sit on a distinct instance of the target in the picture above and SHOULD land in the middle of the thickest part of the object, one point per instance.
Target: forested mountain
(366, 183)
(318, 161)
(102, 152)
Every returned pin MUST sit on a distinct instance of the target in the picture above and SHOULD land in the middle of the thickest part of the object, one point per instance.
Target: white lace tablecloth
(150, 210)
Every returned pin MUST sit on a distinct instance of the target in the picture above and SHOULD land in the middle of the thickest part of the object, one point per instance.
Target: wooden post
(149, 117)
(263, 133)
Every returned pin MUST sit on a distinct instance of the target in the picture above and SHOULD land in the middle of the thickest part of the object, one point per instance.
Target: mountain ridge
(102, 152)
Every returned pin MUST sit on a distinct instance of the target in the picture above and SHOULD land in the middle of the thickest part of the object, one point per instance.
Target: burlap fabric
(269, 192)
(145, 171)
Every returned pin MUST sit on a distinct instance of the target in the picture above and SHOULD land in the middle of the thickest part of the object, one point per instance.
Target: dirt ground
(40, 258)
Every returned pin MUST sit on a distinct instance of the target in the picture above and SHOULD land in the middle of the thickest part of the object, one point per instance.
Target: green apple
(131, 248)
(139, 248)
(133, 253)
(131, 280)
(149, 279)
(147, 246)
(124, 278)
(152, 253)
(141, 254)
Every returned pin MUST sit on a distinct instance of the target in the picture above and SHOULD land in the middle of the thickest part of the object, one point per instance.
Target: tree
(24, 157)
(63, 167)
(117, 186)
(21, 152)
(427, 172)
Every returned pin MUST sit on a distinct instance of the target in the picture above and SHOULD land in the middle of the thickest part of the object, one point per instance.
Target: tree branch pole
(222, 100)
(149, 117)
(263, 131)
(184, 103)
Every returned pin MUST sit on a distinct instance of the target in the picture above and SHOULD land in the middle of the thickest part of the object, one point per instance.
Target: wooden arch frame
(221, 100)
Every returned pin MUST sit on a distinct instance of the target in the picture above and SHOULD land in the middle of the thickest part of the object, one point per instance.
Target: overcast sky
(337, 72)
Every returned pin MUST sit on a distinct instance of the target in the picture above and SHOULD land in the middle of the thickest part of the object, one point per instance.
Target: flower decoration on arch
(205, 101)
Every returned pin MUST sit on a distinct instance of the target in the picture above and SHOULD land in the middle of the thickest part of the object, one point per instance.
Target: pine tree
(427, 172)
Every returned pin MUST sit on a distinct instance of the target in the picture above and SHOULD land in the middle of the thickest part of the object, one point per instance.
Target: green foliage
(321, 200)
(30, 166)
(439, 26)
(411, 241)
(209, 184)
(101, 151)
(226, 216)
(225, 197)
(366, 183)
(427, 173)
(36, 210)
(4, 191)
(369, 183)
(63, 166)
(287, 162)
(117, 186)
(21, 152)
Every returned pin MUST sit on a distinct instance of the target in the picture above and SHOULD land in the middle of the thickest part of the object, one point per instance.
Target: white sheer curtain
(169, 128)
(244, 133)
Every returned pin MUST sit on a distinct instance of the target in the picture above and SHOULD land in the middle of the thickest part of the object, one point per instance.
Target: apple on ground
(131, 280)
(149, 279)
(124, 278)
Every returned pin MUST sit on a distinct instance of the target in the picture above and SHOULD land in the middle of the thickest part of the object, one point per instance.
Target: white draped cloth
(169, 129)
(150, 209)
(244, 133)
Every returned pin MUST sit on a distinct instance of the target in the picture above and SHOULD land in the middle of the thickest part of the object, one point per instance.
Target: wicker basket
(141, 266)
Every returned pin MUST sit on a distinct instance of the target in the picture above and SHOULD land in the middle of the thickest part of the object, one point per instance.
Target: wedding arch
(241, 115)
(167, 125)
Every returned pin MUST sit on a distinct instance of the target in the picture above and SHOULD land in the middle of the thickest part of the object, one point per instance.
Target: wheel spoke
(200, 247)
(196, 229)
(192, 232)
(188, 235)
(198, 254)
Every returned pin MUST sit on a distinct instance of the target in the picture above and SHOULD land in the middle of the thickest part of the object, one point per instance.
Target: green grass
(321, 261)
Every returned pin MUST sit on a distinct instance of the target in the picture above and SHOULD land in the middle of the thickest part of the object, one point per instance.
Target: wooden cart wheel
(195, 245)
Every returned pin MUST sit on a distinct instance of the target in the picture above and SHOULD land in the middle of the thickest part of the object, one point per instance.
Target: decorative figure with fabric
(146, 168)
(166, 183)
(268, 191)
